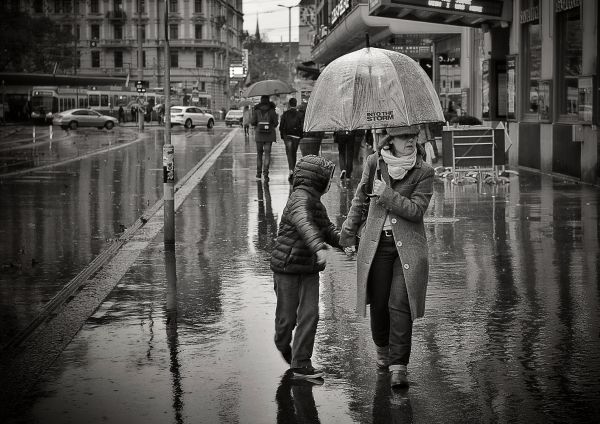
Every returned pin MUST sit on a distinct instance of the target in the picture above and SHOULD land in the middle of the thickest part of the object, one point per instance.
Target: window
(174, 60)
(532, 43)
(203, 86)
(78, 31)
(143, 33)
(142, 4)
(38, 6)
(57, 6)
(199, 59)
(173, 6)
(118, 32)
(94, 6)
(569, 61)
(173, 31)
(198, 32)
(95, 31)
(117, 5)
(66, 8)
(103, 99)
(198, 6)
(95, 59)
(118, 59)
(143, 58)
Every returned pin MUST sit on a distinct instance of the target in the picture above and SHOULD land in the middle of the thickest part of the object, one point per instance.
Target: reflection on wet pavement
(510, 332)
(61, 218)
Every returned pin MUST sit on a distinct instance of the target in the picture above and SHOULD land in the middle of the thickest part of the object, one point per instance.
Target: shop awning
(349, 34)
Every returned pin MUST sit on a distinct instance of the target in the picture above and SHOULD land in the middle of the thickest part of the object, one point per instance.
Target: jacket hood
(265, 106)
(313, 172)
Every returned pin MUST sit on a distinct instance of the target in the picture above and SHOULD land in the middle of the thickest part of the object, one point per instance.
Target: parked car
(190, 116)
(234, 117)
(74, 118)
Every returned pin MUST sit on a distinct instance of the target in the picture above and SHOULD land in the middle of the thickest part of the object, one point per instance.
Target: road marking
(75, 159)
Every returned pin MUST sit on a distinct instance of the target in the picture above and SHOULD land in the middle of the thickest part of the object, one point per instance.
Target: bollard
(34, 133)
(50, 131)
(169, 193)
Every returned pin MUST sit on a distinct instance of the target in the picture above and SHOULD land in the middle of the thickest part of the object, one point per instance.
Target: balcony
(112, 43)
(194, 43)
(116, 15)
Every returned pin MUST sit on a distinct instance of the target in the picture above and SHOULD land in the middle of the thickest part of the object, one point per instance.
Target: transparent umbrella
(268, 88)
(372, 88)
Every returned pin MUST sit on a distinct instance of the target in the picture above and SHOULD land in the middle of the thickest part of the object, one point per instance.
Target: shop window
(532, 44)
(569, 61)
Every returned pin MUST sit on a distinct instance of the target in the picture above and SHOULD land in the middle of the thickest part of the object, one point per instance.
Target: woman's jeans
(391, 321)
(297, 306)
(262, 165)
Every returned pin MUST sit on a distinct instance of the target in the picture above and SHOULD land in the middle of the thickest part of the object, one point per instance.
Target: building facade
(531, 64)
(204, 37)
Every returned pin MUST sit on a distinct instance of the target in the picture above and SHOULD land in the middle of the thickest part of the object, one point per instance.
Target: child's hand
(350, 250)
(322, 257)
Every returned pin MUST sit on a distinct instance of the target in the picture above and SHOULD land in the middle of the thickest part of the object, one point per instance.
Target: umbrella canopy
(372, 88)
(268, 88)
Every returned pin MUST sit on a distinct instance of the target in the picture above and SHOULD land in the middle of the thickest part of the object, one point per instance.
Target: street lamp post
(289, 8)
(168, 150)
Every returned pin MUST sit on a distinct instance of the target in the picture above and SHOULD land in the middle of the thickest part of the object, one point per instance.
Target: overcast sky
(272, 20)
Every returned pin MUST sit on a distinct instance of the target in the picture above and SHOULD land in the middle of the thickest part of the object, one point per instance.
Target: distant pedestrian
(161, 114)
(121, 114)
(290, 130)
(2, 120)
(298, 257)
(264, 121)
(345, 141)
(246, 119)
(133, 114)
(392, 260)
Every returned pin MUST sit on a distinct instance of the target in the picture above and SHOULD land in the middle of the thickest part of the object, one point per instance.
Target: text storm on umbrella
(380, 116)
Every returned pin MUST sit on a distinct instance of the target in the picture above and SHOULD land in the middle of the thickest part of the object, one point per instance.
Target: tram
(49, 100)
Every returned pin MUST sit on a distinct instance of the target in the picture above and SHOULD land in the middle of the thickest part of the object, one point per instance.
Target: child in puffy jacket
(298, 257)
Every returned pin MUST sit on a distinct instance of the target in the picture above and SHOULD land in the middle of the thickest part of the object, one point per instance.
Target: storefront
(551, 89)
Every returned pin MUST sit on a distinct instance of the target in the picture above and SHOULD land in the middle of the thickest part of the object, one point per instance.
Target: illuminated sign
(339, 10)
(484, 7)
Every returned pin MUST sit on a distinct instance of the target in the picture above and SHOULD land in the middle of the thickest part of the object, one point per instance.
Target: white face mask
(329, 182)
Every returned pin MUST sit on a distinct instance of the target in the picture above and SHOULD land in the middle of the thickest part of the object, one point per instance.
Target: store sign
(339, 10)
(529, 15)
(562, 5)
(484, 7)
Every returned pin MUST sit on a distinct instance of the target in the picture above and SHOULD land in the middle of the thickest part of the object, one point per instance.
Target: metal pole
(290, 42)
(227, 94)
(168, 151)
(140, 64)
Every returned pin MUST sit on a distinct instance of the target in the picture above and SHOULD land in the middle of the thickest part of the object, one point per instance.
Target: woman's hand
(378, 187)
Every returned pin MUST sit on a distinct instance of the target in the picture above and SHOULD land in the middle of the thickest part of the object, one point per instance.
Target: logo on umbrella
(380, 116)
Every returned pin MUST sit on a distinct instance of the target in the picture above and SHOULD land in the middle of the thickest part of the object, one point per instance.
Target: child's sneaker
(307, 372)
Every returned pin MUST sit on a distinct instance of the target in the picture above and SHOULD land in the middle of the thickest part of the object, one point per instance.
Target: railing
(109, 42)
(192, 42)
(116, 15)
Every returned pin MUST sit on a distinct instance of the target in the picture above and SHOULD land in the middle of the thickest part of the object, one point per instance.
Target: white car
(190, 116)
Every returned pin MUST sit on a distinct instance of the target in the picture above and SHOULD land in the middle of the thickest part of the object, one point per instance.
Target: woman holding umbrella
(392, 260)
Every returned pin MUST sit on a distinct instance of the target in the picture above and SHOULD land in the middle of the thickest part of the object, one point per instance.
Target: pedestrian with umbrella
(264, 121)
(388, 93)
(291, 133)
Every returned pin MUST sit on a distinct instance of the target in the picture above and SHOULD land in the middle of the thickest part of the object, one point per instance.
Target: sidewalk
(187, 335)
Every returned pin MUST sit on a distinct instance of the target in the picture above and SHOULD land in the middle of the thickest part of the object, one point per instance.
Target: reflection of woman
(392, 261)
(267, 222)
(390, 407)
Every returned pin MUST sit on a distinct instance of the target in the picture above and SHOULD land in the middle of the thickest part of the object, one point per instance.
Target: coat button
(406, 266)
(394, 220)
(399, 244)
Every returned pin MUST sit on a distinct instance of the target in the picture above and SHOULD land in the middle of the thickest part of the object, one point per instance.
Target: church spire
(257, 32)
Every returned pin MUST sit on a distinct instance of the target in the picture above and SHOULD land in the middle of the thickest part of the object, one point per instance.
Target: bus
(49, 100)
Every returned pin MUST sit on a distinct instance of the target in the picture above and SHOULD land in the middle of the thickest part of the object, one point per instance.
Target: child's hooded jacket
(305, 226)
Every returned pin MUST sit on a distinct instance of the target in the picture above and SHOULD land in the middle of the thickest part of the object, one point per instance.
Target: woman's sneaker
(307, 372)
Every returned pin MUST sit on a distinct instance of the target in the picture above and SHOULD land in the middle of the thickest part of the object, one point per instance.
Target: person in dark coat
(392, 258)
(298, 256)
(291, 133)
(345, 141)
(264, 121)
(121, 114)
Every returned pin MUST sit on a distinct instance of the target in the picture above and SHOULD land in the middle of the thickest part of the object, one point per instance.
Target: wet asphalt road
(86, 187)
(510, 332)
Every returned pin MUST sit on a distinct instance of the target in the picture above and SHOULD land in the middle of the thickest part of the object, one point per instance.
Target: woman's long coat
(406, 201)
